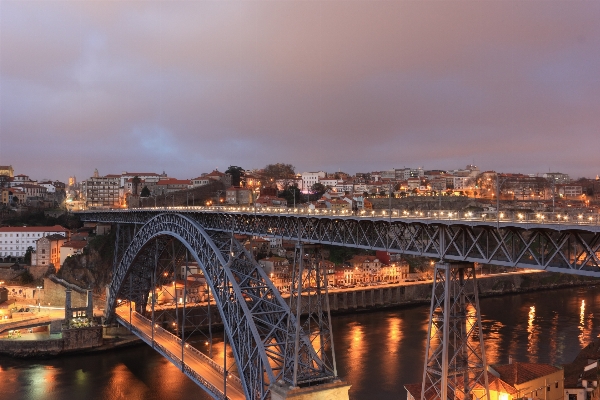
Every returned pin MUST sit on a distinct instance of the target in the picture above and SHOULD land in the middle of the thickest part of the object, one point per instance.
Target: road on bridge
(191, 359)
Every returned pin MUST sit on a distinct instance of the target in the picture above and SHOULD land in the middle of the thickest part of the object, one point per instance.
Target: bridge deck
(197, 366)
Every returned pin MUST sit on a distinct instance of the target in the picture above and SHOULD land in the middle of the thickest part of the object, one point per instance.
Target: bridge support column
(455, 365)
(336, 390)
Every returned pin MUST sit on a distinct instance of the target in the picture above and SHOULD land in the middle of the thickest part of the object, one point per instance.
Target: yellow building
(510, 382)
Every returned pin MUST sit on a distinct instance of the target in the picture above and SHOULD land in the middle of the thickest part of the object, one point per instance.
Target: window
(556, 384)
(572, 396)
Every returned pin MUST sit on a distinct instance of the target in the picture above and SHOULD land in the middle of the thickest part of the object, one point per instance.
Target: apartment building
(102, 191)
(14, 241)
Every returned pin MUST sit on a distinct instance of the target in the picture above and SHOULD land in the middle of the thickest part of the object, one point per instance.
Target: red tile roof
(55, 228)
(518, 373)
(173, 181)
(76, 244)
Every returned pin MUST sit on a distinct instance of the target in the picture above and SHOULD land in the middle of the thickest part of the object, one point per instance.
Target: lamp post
(38, 296)
(498, 184)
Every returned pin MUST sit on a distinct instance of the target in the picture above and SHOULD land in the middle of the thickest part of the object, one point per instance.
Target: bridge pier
(455, 365)
(336, 390)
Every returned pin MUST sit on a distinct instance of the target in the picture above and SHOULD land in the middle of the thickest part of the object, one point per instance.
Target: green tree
(27, 257)
(318, 188)
(26, 278)
(279, 172)
(135, 184)
(236, 173)
(291, 194)
(145, 192)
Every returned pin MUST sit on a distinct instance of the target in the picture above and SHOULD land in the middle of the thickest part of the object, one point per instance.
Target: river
(377, 352)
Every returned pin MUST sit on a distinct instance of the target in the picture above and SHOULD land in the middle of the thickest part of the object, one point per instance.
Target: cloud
(190, 86)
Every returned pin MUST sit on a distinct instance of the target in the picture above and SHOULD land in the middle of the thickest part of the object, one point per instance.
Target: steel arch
(254, 315)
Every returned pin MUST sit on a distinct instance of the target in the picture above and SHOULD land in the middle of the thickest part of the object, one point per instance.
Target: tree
(236, 173)
(318, 188)
(145, 192)
(291, 194)
(27, 257)
(135, 183)
(26, 278)
(280, 172)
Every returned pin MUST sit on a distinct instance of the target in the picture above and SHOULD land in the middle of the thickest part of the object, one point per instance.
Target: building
(569, 191)
(14, 241)
(510, 382)
(200, 181)
(147, 177)
(219, 176)
(238, 195)
(170, 185)
(101, 191)
(7, 170)
(31, 190)
(309, 179)
(582, 375)
(279, 271)
(557, 177)
(70, 248)
(532, 380)
(48, 250)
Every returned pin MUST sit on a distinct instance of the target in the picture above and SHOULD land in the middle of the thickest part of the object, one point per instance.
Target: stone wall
(31, 348)
(38, 271)
(53, 295)
(7, 274)
(396, 295)
(72, 340)
(82, 338)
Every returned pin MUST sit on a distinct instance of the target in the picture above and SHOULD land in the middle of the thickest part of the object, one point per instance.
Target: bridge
(548, 241)
(272, 347)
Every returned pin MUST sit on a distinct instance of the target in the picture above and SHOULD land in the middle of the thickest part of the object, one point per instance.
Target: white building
(329, 182)
(14, 241)
(200, 181)
(50, 188)
(310, 178)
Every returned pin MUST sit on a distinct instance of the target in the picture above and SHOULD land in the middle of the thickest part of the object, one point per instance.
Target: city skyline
(357, 87)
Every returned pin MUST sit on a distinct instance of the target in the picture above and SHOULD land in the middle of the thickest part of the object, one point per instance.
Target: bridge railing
(559, 218)
(186, 368)
(190, 350)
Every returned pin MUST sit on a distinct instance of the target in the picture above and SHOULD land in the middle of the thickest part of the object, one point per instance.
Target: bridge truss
(565, 248)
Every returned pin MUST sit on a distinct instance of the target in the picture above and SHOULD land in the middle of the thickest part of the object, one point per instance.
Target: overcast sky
(187, 87)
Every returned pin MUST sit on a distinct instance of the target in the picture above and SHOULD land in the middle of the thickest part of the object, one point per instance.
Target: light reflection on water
(377, 352)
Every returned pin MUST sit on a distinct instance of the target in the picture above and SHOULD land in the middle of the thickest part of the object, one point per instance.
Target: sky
(356, 86)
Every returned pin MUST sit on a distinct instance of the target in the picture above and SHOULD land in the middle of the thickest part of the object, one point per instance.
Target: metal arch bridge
(546, 241)
(268, 343)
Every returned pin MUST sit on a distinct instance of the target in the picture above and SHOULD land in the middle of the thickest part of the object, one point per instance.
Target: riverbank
(71, 341)
(347, 301)
(419, 293)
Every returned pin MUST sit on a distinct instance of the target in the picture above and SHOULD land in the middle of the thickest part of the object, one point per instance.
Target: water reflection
(377, 352)
(533, 335)
(394, 338)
